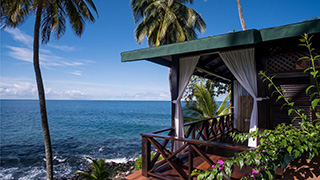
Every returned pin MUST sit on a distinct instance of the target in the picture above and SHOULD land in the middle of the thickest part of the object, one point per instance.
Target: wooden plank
(245, 105)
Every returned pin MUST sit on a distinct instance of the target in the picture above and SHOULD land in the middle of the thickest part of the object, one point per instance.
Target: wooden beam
(212, 74)
(160, 61)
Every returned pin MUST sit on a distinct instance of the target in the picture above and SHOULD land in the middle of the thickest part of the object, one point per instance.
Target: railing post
(190, 162)
(146, 155)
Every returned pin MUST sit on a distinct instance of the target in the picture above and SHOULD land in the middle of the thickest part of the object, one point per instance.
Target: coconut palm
(243, 24)
(204, 105)
(50, 16)
(166, 21)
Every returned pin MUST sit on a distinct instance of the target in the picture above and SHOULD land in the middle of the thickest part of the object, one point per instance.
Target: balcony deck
(198, 164)
(204, 143)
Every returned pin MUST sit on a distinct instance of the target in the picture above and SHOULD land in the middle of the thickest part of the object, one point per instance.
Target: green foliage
(138, 161)
(54, 15)
(279, 146)
(166, 22)
(99, 171)
(204, 105)
(215, 88)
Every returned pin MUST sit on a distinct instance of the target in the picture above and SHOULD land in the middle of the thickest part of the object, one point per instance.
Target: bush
(138, 161)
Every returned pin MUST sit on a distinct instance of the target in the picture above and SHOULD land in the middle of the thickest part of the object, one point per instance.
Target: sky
(90, 68)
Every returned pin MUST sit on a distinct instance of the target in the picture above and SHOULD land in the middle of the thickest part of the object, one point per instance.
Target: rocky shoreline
(124, 169)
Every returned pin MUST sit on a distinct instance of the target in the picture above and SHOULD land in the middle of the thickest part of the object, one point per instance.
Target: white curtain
(186, 68)
(242, 65)
(238, 91)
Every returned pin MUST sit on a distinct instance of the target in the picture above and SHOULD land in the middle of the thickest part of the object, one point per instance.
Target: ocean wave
(7, 173)
(34, 173)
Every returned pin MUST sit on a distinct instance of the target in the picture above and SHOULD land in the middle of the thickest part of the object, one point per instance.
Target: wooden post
(190, 162)
(174, 90)
(232, 98)
(146, 156)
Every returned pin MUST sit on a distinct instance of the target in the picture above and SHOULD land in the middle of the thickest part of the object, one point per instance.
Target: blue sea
(79, 129)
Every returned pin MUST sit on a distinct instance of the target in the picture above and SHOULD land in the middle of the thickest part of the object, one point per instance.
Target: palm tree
(204, 106)
(243, 24)
(50, 16)
(166, 21)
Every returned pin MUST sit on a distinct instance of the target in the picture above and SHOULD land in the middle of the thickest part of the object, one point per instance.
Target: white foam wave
(7, 173)
(60, 160)
(34, 173)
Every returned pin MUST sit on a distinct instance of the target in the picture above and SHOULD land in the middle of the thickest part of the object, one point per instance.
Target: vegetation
(204, 105)
(138, 161)
(99, 171)
(277, 147)
(166, 22)
(213, 87)
(50, 16)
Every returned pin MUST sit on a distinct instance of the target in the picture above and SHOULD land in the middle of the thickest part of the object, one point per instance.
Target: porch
(204, 143)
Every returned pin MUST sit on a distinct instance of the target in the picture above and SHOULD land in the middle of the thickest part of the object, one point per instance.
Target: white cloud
(20, 36)
(48, 59)
(77, 73)
(62, 47)
(27, 90)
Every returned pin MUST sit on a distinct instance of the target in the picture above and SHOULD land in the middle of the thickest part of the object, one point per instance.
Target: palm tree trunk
(42, 102)
(243, 24)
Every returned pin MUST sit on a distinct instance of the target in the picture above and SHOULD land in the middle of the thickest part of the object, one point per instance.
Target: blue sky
(89, 67)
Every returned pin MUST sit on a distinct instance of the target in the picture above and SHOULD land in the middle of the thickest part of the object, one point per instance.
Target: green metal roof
(249, 37)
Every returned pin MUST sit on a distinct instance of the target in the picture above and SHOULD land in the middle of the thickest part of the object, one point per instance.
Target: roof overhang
(220, 42)
(210, 64)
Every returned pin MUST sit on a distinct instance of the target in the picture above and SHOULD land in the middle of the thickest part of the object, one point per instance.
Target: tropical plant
(204, 105)
(279, 146)
(138, 161)
(98, 171)
(50, 16)
(166, 21)
(215, 88)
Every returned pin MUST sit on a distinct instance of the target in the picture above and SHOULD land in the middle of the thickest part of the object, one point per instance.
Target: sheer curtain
(186, 68)
(242, 65)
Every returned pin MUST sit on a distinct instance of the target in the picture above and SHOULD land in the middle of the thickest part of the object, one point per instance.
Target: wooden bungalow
(234, 58)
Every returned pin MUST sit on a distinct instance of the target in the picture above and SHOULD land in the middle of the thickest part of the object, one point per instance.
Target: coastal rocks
(123, 170)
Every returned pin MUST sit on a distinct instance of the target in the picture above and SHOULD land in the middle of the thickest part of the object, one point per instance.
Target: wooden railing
(198, 136)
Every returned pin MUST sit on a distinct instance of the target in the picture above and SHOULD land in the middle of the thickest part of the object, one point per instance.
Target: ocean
(79, 129)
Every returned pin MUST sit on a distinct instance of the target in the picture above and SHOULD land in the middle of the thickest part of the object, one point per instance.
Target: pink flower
(220, 167)
(264, 150)
(259, 154)
(213, 166)
(220, 162)
(266, 142)
(254, 172)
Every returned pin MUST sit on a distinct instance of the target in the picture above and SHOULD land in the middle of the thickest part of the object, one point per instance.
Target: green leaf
(307, 90)
(290, 111)
(219, 176)
(314, 103)
(314, 74)
(269, 175)
(289, 149)
(279, 97)
(296, 153)
(284, 142)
